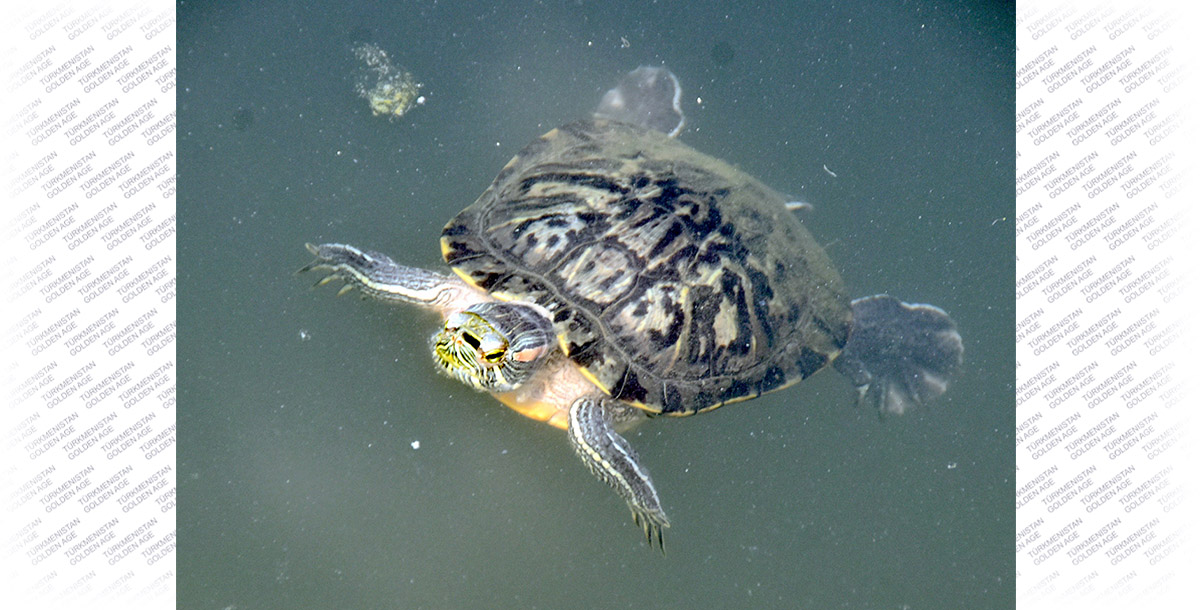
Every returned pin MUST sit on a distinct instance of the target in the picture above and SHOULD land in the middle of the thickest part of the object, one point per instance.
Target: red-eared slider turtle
(611, 273)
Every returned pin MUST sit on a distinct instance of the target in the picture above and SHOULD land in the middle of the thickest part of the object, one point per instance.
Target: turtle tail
(899, 355)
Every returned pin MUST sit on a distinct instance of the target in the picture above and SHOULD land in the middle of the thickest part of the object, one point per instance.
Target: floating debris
(389, 89)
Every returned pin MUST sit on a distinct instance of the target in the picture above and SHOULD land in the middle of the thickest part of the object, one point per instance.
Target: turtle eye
(492, 348)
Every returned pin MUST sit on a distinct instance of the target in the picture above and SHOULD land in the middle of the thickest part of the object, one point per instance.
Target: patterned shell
(676, 282)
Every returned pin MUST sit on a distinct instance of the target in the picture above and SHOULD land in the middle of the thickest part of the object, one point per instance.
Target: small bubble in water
(304, 336)
(416, 444)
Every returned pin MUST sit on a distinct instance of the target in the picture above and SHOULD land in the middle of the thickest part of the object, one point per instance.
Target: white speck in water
(951, 465)
(416, 444)
(304, 336)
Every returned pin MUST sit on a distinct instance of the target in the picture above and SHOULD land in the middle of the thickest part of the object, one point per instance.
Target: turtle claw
(652, 525)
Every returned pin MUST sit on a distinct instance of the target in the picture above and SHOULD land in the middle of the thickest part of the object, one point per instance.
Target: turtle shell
(675, 281)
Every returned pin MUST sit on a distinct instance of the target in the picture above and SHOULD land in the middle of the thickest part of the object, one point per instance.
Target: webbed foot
(647, 97)
(899, 355)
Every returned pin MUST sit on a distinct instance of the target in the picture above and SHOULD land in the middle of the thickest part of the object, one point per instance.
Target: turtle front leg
(613, 460)
(377, 275)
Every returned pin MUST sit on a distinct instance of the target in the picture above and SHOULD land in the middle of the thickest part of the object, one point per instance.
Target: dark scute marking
(705, 305)
(745, 328)
(619, 388)
(683, 256)
(781, 270)
(761, 295)
(607, 283)
(666, 340)
(584, 355)
(772, 378)
(669, 236)
(693, 397)
(626, 209)
(741, 348)
(669, 188)
(516, 283)
(794, 313)
(698, 211)
(712, 253)
(810, 362)
(458, 251)
(578, 179)
(499, 281)
(486, 279)
(633, 390)
(739, 389)
(672, 399)
(759, 284)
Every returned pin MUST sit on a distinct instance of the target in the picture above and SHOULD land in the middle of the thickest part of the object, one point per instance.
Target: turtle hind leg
(647, 97)
(610, 457)
(899, 355)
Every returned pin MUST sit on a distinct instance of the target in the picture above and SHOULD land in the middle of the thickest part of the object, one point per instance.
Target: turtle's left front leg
(613, 460)
(378, 276)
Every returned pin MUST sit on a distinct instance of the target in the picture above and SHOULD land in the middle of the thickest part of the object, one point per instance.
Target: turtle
(611, 274)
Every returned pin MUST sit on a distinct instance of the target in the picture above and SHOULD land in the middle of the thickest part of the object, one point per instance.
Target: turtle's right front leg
(613, 460)
(379, 276)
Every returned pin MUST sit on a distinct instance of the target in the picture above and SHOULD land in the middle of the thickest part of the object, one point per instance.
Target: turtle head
(494, 346)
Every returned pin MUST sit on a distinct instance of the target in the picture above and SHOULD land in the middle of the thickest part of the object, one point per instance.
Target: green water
(324, 464)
